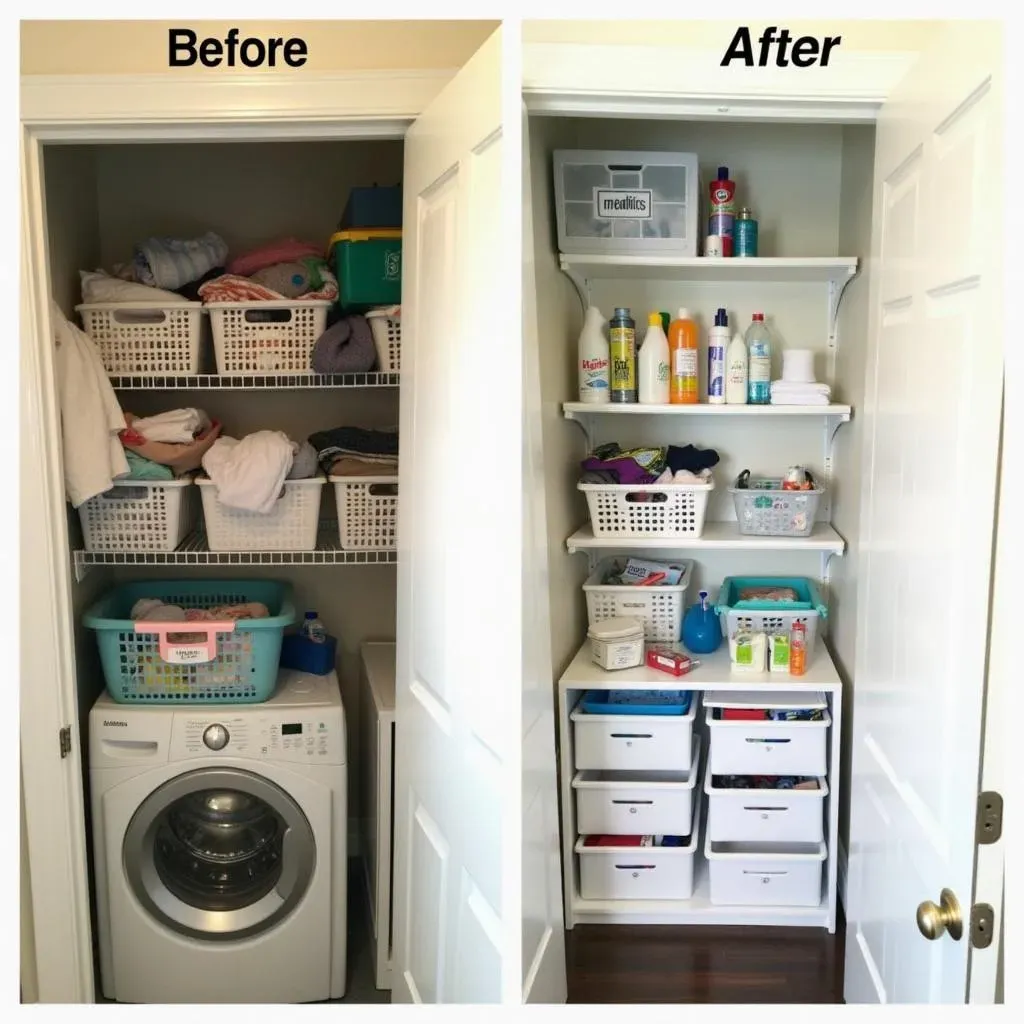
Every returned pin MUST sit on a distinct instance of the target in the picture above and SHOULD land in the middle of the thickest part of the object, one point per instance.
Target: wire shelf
(251, 381)
(193, 551)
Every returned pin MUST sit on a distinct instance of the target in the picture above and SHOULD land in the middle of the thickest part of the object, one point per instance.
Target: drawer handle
(634, 736)
(763, 875)
(752, 739)
(783, 809)
(632, 801)
(635, 867)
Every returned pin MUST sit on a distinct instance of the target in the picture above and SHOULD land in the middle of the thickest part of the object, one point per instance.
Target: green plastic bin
(368, 265)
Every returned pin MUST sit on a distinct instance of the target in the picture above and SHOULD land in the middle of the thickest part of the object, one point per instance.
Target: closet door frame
(110, 109)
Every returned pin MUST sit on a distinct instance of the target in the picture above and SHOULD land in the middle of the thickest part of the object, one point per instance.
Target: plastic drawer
(634, 742)
(746, 874)
(623, 804)
(766, 815)
(639, 872)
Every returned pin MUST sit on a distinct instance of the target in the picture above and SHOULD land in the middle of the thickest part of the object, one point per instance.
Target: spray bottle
(718, 341)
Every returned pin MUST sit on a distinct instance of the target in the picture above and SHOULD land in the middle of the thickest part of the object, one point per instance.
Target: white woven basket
(387, 338)
(647, 510)
(367, 512)
(659, 608)
(245, 342)
(137, 337)
(140, 515)
(290, 526)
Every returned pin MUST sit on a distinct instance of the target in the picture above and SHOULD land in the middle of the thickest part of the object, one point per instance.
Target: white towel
(179, 426)
(90, 417)
(250, 473)
(800, 393)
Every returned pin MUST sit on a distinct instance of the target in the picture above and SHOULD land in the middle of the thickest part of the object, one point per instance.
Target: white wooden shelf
(724, 536)
(713, 673)
(763, 269)
(194, 551)
(250, 381)
(577, 410)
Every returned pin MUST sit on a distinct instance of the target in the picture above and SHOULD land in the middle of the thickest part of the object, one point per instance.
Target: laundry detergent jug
(702, 630)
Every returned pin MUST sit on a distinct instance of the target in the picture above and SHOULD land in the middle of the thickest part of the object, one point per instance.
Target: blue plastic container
(772, 616)
(636, 702)
(302, 654)
(244, 670)
(379, 206)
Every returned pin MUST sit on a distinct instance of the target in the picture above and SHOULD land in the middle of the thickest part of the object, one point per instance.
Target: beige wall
(140, 47)
(857, 35)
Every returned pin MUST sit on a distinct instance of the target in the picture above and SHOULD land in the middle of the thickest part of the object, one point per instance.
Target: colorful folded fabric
(286, 250)
(232, 288)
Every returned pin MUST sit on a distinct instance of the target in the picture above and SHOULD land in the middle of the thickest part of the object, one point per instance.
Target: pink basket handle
(194, 653)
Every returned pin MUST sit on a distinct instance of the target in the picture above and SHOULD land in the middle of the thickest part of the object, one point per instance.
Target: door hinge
(988, 823)
(983, 925)
(64, 737)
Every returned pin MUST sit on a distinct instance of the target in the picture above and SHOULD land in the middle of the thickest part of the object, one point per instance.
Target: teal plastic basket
(771, 616)
(244, 663)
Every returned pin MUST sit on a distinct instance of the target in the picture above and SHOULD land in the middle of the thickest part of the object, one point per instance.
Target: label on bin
(624, 203)
(187, 654)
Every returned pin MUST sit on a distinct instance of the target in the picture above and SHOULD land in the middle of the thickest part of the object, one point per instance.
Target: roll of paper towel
(798, 365)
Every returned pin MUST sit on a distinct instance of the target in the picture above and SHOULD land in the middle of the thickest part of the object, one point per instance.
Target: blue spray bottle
(702, 631)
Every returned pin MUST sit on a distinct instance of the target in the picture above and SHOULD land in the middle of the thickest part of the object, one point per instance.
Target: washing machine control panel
(302, 735)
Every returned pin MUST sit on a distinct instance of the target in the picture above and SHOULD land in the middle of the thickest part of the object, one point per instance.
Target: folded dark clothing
(191, 290)
(333, 444)
(688, 457)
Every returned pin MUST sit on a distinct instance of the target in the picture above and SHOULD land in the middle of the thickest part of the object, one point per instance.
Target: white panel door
(544, 978)
(931, 420)
(458, 674)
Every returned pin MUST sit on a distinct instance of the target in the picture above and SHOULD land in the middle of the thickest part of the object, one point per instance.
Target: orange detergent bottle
(683, 355)
(798, 649)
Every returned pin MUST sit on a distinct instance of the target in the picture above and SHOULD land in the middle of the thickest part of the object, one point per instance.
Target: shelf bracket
(584, 424)
(579, 282)
(825, 575)
(836, 289)
(81, 567)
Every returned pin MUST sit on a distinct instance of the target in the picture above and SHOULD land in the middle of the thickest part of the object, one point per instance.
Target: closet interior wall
(101, 200)
(809, 186)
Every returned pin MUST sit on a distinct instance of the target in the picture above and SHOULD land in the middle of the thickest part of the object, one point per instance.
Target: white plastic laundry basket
(266, 337)
(138, 337)
(140, 515)
(291, 526)
(387, 338)
(647, 510)
(658, 607)
(367, 512)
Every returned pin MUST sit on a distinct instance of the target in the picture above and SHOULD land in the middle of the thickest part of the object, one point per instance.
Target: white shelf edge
(765, 268)
(720, 536)
(576, 410)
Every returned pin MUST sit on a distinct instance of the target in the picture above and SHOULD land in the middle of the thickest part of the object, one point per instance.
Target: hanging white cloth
(90, 415)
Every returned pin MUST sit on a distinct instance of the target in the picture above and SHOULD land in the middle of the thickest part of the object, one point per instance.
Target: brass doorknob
(933, 921)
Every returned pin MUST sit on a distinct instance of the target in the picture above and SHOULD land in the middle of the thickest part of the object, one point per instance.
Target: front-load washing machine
(220, 847)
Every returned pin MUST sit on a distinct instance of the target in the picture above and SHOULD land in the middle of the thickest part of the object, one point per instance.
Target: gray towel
(347, 347)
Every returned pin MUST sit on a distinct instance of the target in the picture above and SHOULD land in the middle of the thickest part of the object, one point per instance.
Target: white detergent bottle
(736, 371)
(594, 359)
(652, 364)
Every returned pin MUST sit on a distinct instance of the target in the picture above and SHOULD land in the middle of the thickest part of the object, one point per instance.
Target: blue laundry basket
(186, 662)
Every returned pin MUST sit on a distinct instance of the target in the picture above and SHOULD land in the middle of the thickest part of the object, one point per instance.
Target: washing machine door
(219, 854)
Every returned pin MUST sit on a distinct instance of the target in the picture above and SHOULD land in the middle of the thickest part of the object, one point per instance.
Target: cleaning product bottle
(683, 341)
(759, 348)
(718, 340)
(622, 345)
(594, 359)
(736, 371)
(722, 205)
(652, 364)
(702, 630)
(313, 629)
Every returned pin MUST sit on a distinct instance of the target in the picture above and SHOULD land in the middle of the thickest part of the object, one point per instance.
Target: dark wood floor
(677, 964)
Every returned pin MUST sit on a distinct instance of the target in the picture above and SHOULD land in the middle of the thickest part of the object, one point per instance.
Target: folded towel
(99, 286)
(146, 469)
(347, 347)
(180, 426)
(232, 288)
(286, 250)
(800, 393)
(171, 262)
(366, 444)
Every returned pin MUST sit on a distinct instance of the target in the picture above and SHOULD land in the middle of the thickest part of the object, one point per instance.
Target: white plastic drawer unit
(639, 872)
(746, 874)
(767, 747)
(632, 743)
(627, 804)
(609, 201)
(765, 815)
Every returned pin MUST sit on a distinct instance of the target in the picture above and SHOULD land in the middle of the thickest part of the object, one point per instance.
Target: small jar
(617, 643)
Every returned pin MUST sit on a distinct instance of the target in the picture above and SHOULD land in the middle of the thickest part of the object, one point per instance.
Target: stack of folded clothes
(611, 464)
(354, 451)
